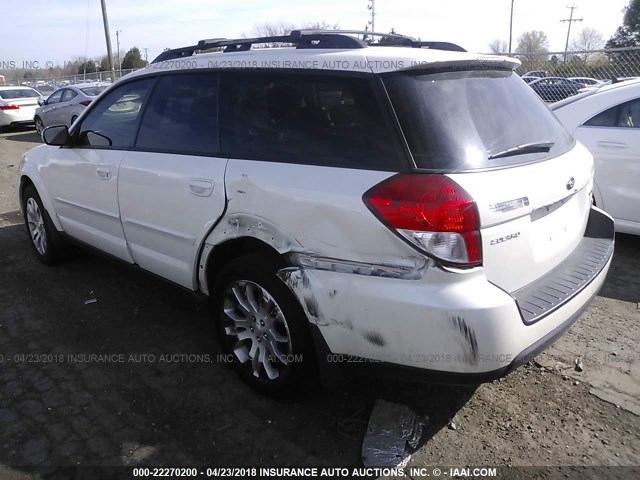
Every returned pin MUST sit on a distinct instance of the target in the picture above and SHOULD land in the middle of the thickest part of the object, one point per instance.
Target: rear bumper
(559, 286)
(24, 116)
(444, 326)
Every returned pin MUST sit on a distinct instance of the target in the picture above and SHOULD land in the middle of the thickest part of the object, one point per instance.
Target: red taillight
(433, 212)
(85, 103)
(9, 107)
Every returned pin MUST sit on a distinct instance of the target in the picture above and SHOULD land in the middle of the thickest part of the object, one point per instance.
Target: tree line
(532, 48)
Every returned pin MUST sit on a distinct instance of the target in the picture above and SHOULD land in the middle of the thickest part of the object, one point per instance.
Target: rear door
(493, 136)
(171, 186)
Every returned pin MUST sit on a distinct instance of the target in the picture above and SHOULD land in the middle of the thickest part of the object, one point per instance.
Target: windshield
(467, 120)
(94, 91)
(18, 93)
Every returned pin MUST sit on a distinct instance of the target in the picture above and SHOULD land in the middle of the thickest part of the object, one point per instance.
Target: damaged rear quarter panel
(308, 209)
(370, 294)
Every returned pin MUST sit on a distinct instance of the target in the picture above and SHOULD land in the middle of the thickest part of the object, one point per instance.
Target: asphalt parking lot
(134, 378)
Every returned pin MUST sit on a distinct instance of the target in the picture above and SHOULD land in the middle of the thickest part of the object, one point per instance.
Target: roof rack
(307, 39)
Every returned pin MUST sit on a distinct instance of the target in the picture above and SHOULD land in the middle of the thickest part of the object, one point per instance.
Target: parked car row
(554, 89)
(27, 106)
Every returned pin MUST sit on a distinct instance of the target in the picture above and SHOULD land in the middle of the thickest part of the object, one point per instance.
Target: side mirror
(57, 135)
(40, 101)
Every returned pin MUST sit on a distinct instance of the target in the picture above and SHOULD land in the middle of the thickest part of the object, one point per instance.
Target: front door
(83, 177)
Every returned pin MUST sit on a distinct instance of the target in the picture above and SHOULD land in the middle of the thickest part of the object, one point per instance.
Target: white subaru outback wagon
(400, 206)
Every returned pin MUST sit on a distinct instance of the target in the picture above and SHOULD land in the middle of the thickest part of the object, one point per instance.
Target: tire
(39, 125)
(261, 325)
(44, 238)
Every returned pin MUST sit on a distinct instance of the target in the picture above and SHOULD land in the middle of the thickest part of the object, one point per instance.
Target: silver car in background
(66, 104)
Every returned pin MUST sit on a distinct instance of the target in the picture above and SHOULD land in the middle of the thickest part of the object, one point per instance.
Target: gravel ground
(151, 410)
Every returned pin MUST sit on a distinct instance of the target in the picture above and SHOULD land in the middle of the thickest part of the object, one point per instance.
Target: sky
(58, 30)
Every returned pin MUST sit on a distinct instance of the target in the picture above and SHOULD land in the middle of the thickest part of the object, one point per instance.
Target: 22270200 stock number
(165, 472)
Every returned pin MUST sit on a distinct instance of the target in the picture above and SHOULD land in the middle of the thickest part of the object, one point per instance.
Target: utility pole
(511, 27)
(105, 20)
(146, 50)
(372, 8)
(570, 20)
(118, 42)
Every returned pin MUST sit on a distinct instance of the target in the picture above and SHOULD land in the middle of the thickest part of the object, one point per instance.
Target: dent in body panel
(245, 225)
(298, 282)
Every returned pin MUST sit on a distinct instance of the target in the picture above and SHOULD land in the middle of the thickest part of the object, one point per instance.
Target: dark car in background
(553, 89)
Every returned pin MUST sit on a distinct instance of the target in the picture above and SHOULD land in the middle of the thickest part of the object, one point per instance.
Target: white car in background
(17, 106)
(607, 122)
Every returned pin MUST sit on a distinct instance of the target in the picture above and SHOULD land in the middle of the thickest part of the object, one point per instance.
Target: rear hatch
(490, 133)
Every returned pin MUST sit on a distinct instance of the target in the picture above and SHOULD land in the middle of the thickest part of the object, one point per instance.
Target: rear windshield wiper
(534, 147)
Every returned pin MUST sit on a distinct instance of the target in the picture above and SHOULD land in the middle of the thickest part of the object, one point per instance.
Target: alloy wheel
(36, 225)
(257, 329)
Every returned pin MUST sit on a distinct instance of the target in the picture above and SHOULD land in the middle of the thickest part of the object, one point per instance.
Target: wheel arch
(29, 179)
(214, 257)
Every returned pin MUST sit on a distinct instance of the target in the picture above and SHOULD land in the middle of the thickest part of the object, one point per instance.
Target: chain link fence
(617, 63)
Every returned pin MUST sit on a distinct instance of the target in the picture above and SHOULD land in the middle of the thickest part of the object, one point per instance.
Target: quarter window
(114, 121)
(625, 115)
(182, 115)
(306, 118)
(68, 94)
(54, 98)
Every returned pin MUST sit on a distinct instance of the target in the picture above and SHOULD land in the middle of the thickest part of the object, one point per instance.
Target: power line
(570, 20)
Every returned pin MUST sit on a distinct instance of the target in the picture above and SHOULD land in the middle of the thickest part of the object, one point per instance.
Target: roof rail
(308, 38)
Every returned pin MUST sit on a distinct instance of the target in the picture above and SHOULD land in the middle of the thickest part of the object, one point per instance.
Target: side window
(182, 115)
(114, 120)
(625, 115)
(68, 94)
(629, 114)
(308, 118)
(54, 97)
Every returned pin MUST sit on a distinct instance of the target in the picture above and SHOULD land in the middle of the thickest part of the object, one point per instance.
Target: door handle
(104, 173)
(606, 144)
(201, 187)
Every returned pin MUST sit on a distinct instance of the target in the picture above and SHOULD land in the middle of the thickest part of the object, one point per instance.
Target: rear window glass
(459, 120)
(18, 93)
(307, 118)
(93, 91)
